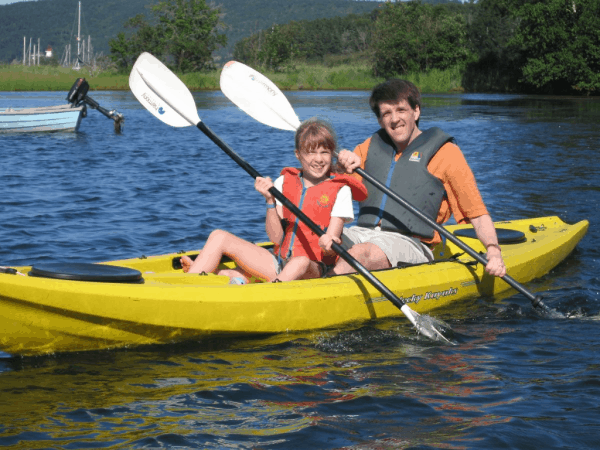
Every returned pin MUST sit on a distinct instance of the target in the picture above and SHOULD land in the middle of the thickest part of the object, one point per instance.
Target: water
(514, 380)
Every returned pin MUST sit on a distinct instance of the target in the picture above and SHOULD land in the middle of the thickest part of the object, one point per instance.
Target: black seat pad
(505, 235)
(86, 272)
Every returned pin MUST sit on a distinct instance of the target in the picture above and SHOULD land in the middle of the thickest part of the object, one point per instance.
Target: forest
(55, 21)
(527, 46)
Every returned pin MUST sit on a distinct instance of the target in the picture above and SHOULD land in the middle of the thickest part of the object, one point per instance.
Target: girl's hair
(314, 133)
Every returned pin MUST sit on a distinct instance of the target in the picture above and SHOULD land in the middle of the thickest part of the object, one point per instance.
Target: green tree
(560, 44)
(414, 37)
(306, 39)
(491, 27)
(124, 49)
(190, 32)
(186, 34)
(279, 47)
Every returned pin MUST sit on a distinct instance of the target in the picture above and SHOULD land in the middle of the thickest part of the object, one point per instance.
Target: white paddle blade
(162, 93)
(257, 96)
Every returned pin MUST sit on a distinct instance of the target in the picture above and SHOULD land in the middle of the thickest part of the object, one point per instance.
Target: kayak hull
(44, 315)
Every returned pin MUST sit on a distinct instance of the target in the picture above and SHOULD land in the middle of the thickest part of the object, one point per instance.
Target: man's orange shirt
(450, 166)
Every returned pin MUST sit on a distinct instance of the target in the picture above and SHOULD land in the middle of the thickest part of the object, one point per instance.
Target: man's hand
(495, 265)
(348, 160)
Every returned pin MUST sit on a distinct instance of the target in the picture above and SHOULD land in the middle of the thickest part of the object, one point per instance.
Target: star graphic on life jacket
(323, 201)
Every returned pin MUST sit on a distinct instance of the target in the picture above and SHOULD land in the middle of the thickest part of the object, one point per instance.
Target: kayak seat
(86, 272)
(505, 235)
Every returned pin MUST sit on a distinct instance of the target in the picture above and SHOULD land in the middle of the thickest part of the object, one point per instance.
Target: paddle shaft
(303, 217)
(535, 300)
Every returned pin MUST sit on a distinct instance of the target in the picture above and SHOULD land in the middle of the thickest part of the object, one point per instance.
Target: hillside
(55, 21)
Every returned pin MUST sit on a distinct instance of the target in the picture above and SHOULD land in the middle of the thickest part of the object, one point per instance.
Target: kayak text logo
(415, 298)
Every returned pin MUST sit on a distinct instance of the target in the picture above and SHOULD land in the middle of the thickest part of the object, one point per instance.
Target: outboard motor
(78, 95)
(78, 92)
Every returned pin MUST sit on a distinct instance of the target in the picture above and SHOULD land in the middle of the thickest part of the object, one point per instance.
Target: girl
(323, 196)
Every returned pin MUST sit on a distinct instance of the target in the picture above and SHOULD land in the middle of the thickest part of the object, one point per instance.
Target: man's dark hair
(394, 90)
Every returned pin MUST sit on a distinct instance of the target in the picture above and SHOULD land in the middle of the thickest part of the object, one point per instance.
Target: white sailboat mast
(79, 31)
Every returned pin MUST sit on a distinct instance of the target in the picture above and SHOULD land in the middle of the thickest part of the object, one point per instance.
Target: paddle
(167, 98)
(261, 99)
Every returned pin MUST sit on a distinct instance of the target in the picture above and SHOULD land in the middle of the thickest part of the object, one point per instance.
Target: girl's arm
(342, 213)
(273, 224)
(273, 217)
(333, 233)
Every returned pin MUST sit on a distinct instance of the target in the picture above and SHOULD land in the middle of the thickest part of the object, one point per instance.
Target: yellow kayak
(50, 308)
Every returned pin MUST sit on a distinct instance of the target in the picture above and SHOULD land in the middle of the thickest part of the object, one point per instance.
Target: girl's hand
(326, 241)
(263, 185)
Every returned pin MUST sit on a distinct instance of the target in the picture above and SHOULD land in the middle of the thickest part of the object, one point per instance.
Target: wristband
(270, 205)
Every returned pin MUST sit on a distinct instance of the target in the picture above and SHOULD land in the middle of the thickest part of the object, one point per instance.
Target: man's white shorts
(397, 247)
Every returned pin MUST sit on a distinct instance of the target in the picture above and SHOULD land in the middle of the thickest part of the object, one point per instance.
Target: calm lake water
(515, 379)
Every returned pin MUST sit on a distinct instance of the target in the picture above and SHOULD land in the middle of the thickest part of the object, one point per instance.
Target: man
(425, 168)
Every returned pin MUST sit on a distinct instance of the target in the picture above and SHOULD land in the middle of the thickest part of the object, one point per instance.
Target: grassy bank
(50, 78)
(299, 77)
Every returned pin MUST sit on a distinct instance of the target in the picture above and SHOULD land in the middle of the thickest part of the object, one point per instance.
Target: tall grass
(303, 76)
(53, 78)
(299, 76)
(449, 80)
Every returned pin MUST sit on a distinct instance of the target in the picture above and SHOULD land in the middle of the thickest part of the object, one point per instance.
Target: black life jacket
(409, 178)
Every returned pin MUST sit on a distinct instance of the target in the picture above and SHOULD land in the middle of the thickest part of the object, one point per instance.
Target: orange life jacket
(316, 202)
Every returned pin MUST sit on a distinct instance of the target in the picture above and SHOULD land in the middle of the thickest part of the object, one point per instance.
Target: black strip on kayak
(505, 235)
(86, 272)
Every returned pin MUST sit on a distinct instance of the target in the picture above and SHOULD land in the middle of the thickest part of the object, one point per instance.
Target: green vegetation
(49, 78)
(417, 38)
(302, 77)
(54, 78)
(55, 21)
(550, 47)
(560, 44)
(186, 32)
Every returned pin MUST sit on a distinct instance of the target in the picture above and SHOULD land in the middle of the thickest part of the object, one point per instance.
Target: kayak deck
(45, 315)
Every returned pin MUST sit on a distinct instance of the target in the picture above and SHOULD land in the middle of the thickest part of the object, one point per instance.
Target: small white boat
(56, 118)
(46, 118)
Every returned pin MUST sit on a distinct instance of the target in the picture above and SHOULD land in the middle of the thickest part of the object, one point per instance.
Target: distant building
(49, 52)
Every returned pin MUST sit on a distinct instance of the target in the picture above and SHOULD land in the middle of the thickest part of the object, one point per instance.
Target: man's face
(399, 120)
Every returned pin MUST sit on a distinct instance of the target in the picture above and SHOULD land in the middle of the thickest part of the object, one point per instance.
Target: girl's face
(316, 163)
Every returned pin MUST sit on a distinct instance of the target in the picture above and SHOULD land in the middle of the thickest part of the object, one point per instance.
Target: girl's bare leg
(251, 258)
(299, 268)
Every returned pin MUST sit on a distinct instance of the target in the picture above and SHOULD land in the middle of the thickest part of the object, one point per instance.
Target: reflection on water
(514, 379)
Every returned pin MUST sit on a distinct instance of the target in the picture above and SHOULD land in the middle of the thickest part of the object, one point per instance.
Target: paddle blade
(427, 326)
(257, 96)
(162, 93)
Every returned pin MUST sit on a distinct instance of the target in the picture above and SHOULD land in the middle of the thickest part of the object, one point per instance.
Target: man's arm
(486, 233)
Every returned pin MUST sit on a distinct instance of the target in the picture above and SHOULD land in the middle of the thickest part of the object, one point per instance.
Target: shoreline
(17, 78)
